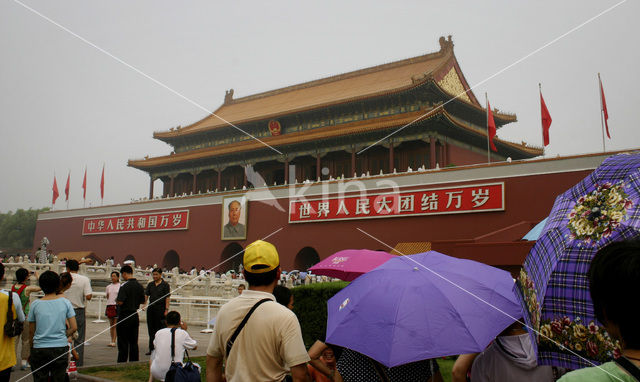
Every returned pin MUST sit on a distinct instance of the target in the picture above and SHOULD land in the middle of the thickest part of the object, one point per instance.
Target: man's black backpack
(13, 327)
(179, 372)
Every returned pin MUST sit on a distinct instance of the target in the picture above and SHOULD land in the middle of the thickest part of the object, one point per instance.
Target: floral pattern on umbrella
(597, 214)
(553, 287)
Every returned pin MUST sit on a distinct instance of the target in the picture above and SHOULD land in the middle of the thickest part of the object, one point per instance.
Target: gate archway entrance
(306, 258)
(171, 260)
(130, 257)
(231, 258)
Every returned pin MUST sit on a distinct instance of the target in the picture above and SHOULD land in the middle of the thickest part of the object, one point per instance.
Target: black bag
(179, 372)
(13, 327)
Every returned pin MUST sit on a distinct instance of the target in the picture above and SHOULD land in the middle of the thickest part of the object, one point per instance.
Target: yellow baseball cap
(260, 257)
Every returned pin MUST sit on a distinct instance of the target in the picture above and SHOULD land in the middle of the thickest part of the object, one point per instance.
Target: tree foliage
(18, 228)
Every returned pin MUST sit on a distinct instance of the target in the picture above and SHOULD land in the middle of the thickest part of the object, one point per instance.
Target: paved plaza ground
(98, 353)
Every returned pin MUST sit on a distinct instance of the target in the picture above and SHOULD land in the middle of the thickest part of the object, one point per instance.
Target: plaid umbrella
(553, 286)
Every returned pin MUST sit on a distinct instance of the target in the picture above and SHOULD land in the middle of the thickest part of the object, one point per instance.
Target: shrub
(310, 305)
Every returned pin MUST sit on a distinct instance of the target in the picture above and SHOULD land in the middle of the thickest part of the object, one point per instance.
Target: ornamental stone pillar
(151, 180)
(353, 162)
(286, 171)
(432, 152)
(391, 156)
(172, 177)
(244, 176)
(194, 186)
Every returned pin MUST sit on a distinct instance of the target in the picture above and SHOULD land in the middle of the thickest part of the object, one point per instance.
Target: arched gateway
(306, 258)
(171, 260)
(231, 258)
(130, 257)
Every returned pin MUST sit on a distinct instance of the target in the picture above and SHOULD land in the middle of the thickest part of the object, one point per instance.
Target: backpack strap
(243, 323)
(629, 367)
(173, 344)
(19, 292)
(9, 303)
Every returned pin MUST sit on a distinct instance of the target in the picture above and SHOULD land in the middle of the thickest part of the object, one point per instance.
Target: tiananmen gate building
(392, 156)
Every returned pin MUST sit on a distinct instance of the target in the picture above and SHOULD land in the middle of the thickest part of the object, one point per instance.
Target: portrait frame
(243, 219)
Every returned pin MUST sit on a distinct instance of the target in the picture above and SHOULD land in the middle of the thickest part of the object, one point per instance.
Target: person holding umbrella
(613, 285)
(357, 367)
(510, 357)
(422, 306)
(553, 287)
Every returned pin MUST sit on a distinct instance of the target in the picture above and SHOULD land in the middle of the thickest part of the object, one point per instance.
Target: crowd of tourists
(257, 337)
(51, 334)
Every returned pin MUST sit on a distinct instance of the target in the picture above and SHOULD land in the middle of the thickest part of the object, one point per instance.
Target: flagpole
(102, 186)
(486, 104)
(601, 112)
(84, 189)
(541, 126)
(67, 193)
(54, 182)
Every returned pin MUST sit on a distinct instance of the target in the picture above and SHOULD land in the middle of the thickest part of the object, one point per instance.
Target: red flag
(603, 104)
(66, 188)
(102, 184)
(84, 185)
(55, 190)
(546, 120)
(491, 127)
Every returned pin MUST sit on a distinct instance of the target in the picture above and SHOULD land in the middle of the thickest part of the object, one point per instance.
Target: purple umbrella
(414, 307)
(553, 287)
(350, 263)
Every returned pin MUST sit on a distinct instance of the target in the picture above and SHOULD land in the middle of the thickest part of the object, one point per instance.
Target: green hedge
(310, 305)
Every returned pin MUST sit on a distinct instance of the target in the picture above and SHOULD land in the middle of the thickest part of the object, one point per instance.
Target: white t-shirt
(80, 288)
(161, 356)
(112, 292)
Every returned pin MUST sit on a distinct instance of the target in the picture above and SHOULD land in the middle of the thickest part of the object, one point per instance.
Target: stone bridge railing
(220, 286)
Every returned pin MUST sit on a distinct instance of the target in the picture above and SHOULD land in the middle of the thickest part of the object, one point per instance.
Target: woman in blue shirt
(50, 336)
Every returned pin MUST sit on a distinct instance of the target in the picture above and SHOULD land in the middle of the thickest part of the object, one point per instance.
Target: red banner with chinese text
(156, 221)
(450, 200)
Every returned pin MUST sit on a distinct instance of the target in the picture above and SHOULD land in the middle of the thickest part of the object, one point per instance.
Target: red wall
(462, 157)
(527, 198)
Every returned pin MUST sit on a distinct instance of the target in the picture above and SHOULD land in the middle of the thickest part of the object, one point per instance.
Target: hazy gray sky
(65, 105)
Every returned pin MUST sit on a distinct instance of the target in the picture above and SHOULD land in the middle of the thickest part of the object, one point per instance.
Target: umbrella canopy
(553, 287)
(414, 307)
(535, 233)
(350, 263)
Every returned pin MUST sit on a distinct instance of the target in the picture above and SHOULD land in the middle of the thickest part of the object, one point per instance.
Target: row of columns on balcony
(432, 161)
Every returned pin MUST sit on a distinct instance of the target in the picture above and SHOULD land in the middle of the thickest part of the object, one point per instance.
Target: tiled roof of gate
(357, 85)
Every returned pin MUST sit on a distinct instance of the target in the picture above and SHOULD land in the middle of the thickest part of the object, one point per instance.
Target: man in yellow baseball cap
(260, 257)
(269, 345)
